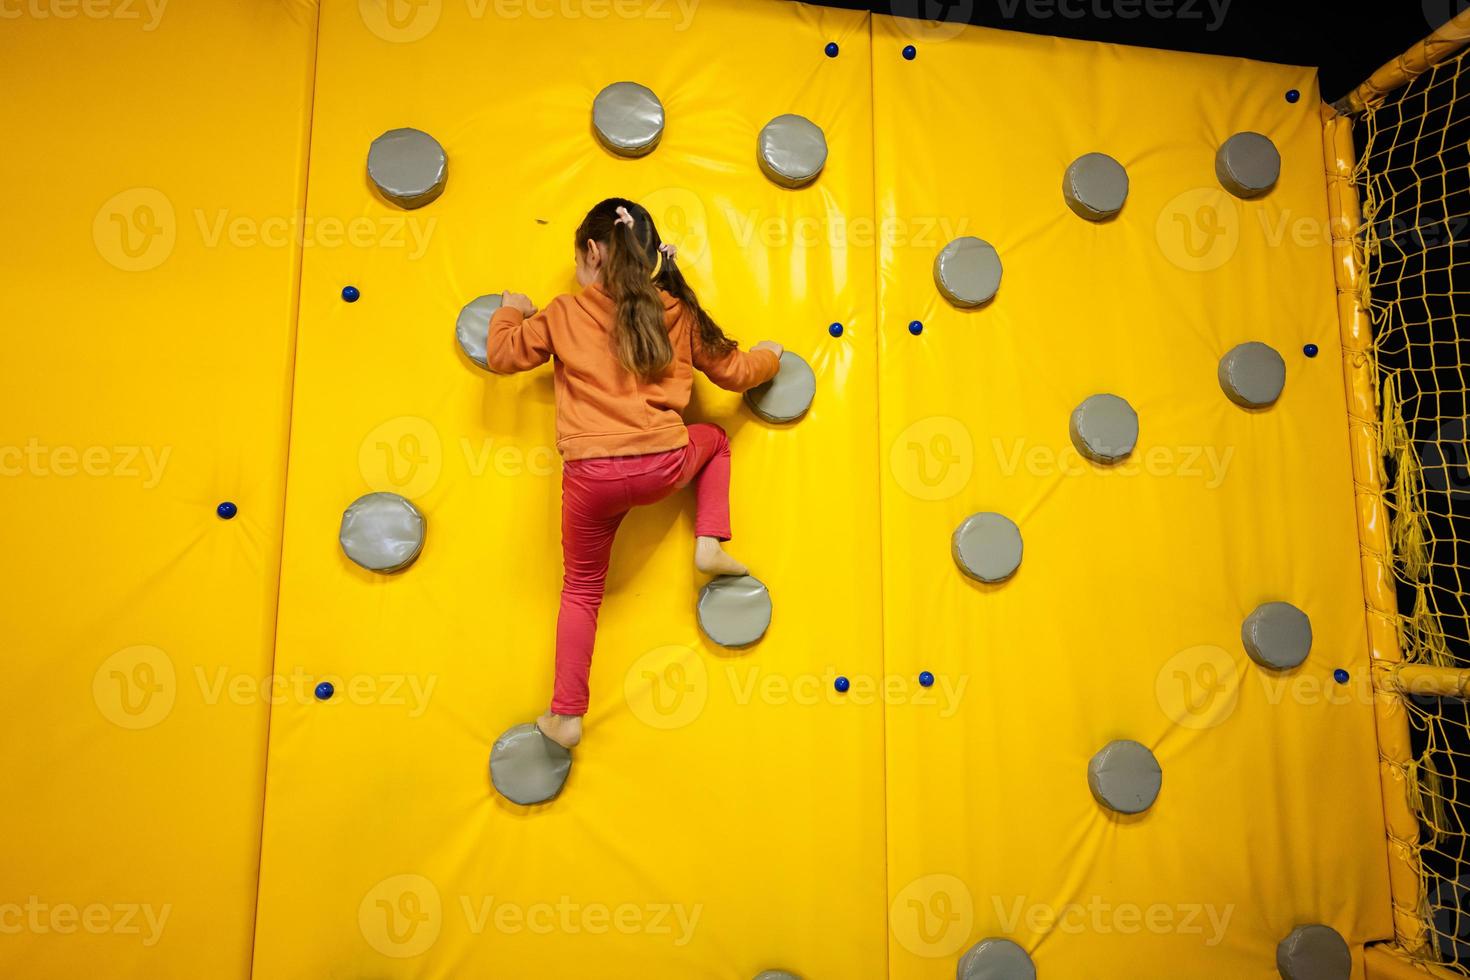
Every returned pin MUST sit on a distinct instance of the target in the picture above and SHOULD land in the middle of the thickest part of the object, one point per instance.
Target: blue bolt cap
(227, 510)
(351, 293)
(324, 690)
(1340, 675)
(835, 330)
(926, 679)
(832, 49)
(1292, 95)
(910, 52)
(915, 327)
(842, 684)
(1310, 350)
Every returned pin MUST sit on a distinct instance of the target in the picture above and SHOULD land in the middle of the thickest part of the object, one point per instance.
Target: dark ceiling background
(1345, 40)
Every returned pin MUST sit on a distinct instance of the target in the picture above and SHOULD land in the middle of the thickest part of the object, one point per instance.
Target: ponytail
(632, 274)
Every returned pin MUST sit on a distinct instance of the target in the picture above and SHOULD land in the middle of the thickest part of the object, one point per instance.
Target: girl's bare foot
(710, 558)
(564, 730)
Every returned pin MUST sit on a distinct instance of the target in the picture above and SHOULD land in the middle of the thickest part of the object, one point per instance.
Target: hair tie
(623, 218)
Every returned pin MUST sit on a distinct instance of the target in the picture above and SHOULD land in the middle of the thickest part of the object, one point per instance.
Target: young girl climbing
(625, 350)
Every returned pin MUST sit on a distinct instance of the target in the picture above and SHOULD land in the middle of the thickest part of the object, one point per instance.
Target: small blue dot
(324, 691)
(916, 327)
(351, 293)
(1292, 95)
(227, 510)
(1340, 675)
(910, 53)
(835, 330)
(926, 679)
(1310, 350)
(832, 49)
(842, 684)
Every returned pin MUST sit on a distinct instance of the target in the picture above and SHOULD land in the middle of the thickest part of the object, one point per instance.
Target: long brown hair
(640, 339)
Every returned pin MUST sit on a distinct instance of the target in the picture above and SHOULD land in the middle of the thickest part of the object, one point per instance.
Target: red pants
(595, 496)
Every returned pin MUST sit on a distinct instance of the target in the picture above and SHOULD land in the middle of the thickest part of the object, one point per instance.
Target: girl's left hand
(518, 301)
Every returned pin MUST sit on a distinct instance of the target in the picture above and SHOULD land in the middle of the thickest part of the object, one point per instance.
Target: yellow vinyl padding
(148, 303)
(1124, 619)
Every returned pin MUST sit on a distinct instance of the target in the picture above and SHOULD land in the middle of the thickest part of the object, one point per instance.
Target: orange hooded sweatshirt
(602, 408)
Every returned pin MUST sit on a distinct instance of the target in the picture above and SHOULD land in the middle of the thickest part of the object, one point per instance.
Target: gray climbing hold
(1095, 186)
(408, 167)
(787, 396)
(1252, 375)
(967, 271)
(776, 975)
(987, 547)
(792, 150)
(1248, 164)
(995, 959)
(526, 767)
(628, 119)
(1277, 635)
(1314, 952)
(1125, 777)
(382, 532)
(473, 327)
(1104, 428)
(734, 610)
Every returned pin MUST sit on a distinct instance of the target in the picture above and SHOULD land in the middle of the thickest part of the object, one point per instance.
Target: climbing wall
(725, 813)
(1037, 690)
(149, 287)
(1123, 621)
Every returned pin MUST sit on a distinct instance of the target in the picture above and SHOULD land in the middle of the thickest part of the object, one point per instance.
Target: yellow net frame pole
(1382, 963)
(1395, 753)
(1408, 66)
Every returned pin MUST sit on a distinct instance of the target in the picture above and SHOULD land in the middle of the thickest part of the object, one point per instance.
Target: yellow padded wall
(148, 302)
(1124, 619)
(724, 814)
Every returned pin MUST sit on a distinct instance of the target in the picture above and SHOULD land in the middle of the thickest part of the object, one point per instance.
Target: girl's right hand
(518, 301)
(771, 346)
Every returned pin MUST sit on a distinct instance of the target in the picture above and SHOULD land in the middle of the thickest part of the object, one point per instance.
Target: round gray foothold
(1252, 375)
(1125, 777)
(1314, 952)
(987, 547)
(408, 167)
(787, 396)
(473, 327)
(734, 610)
(792, 150)
(526, 767)
(995, 959)
(628, 119)
(776, 975)
(382, 532)
(967, 271)
(1095, 186)
(1248, 164)
(1277, 635)
(1104, 428)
